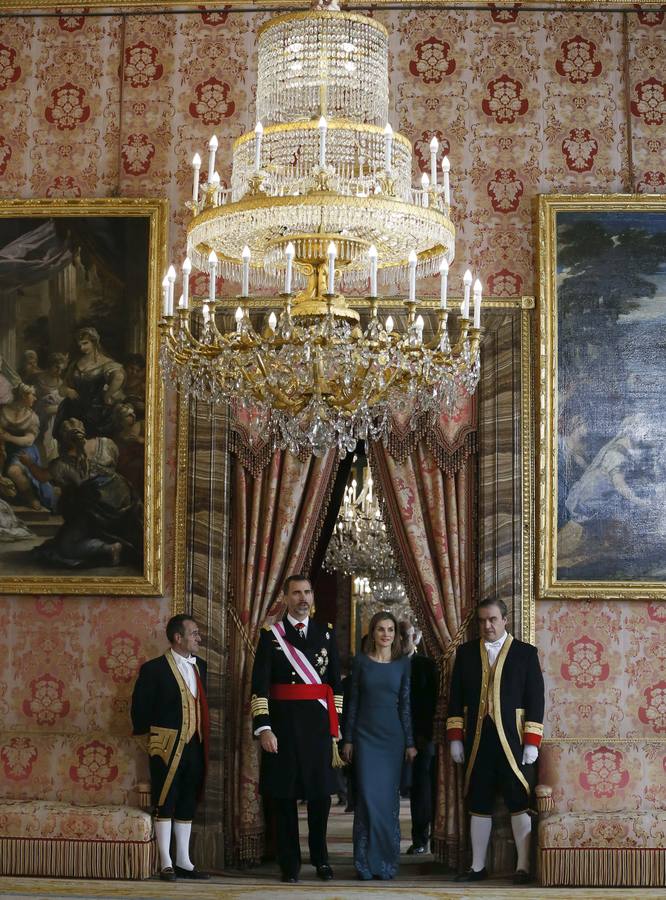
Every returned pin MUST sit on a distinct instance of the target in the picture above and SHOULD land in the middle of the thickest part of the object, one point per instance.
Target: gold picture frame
(601, 469)
(80, 264)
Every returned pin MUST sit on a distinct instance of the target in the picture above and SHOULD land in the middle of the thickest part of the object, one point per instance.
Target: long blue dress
(378, 724)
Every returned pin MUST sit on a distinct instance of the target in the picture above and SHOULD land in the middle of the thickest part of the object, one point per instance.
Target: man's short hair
(288, 580)
(176, 624)
(491, 601)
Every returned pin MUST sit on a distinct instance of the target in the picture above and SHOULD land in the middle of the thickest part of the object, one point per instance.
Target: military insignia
(321, 661)
(328, 636)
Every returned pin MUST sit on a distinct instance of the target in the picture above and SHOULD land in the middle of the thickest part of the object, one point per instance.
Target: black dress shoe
(471, 875)
(325, 872)
(167, 874)
(520, 876)
(195, 874)
(417, 849)
(289, 879)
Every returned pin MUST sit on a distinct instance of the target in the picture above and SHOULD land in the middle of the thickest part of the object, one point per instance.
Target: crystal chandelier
(320, 202)
(359, 545)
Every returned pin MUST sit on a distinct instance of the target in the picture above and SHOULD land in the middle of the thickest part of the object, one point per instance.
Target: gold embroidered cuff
(338, 703)
(534, 728)
(454, 722)
(259, 706)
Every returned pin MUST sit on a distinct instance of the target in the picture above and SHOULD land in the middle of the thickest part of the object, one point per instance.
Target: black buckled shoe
(195, 874)
(168, 874)
(289, 878)
(471, 875)
(325, 872)
(417, 849)
(520, 876)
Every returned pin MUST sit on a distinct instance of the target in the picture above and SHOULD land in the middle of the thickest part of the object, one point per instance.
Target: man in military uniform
(296, 697)
(495, 726)
(169, 705)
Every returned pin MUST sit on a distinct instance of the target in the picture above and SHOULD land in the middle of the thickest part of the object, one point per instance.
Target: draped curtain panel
(278, 504)
(426, 481)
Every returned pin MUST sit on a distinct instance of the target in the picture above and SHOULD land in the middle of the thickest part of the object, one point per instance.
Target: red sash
(310, 692)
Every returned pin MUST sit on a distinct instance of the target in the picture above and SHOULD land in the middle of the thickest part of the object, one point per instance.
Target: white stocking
(182, 830)
(163, 835)
(521, 826)
(480, 829)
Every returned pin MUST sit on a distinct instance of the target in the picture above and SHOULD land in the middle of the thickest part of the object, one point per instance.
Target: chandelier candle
(289, 254)
(425, 185)
(185, 297)
(212, 150)
(171, 280)
(165, 297)
(467, 284)
(412, 275)
(212, 262)
(245, 284)
(196, 168)
(446, 168)
(372, 254)
(443, 283)
(332, 253)
(477, 303)
(434, 147)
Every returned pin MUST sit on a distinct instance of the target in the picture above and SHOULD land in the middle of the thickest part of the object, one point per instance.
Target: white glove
(457, 752)
(530, 753)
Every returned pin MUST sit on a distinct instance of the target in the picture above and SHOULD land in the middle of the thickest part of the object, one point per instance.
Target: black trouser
(420, 798)
(181, 800)
(491, 773)
(288, 842)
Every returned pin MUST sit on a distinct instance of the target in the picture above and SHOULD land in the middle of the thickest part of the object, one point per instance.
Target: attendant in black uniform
(169, 706)
(423, 696)
(495, 725)
(295, 731)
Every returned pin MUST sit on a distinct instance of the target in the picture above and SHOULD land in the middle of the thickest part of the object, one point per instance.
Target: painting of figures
(604, 342)
(80, 446)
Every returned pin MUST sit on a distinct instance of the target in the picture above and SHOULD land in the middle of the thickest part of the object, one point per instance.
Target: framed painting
(80, 397)
(602, 452)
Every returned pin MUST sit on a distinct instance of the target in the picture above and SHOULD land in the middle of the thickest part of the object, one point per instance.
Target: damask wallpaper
(524, 102)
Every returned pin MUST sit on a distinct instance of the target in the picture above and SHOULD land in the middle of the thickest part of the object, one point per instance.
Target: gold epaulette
(338, 703)
(266, 627)
(329, 625)
(259, 706)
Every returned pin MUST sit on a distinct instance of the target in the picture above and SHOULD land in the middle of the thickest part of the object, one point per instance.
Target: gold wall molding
(247, 7)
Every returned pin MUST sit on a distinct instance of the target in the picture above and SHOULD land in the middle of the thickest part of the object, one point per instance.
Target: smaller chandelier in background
(359, 545)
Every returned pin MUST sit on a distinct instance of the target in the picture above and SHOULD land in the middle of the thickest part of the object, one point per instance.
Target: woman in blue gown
(378, 735)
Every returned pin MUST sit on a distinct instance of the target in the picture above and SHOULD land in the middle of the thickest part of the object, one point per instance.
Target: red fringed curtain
(426, 479)
(277, 508)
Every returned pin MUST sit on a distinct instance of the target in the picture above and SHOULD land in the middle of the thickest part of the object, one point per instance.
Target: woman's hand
(347, 751)
(410, 754)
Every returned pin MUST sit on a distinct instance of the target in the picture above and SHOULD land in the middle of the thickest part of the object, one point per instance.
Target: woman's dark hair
(396, 646)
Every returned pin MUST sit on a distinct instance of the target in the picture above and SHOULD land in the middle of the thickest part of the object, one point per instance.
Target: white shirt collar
(498, 644)
(180, 658)
(295, 622)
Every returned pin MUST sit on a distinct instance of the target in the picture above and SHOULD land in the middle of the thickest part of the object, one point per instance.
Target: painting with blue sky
(611, 385)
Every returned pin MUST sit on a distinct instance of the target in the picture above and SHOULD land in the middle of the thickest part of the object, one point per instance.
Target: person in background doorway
(423, 696)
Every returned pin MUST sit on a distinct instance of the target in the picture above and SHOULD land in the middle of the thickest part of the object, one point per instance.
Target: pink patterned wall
(524, 102)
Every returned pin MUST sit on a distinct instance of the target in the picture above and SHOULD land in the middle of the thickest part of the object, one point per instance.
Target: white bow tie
(192, 660)
(494, 644)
